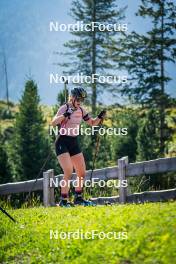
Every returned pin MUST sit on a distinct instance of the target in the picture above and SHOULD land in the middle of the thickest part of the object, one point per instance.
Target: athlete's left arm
(94, 121)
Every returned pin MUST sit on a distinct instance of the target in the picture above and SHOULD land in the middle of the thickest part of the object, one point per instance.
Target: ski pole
(7, 214)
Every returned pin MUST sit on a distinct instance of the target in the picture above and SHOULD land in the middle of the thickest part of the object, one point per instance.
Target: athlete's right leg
(67, 167)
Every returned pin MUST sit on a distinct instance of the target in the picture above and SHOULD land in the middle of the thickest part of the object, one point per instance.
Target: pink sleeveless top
(70, 127)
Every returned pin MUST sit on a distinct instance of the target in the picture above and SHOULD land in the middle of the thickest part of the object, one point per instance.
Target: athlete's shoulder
(62, 109)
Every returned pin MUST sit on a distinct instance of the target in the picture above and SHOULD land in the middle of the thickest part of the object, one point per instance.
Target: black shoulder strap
(82, 111)
(79, 107)
(67, 106)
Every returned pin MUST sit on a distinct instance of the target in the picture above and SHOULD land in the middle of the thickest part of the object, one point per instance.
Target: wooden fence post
(48, 193)
(51, 190)
(122, 176)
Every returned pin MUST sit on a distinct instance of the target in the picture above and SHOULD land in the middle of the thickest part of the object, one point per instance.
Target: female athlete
(69, 117)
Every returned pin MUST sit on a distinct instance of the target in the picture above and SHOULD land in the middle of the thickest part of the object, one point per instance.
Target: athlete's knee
(68, 172)
(81, 174)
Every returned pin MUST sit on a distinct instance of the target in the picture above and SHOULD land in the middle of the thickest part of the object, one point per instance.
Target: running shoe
(81, 201)
(65, 203)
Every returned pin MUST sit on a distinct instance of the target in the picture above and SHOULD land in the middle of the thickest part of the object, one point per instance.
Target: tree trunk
(162, 105)
(94, 88)
(6, 80)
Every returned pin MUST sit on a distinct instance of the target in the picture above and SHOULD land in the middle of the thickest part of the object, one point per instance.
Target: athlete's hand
(102, 114)
(68, 112)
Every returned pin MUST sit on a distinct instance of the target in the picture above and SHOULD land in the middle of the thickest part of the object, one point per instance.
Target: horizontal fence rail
(19, 187)
(148, 196)
(122, 171)
(151, 167)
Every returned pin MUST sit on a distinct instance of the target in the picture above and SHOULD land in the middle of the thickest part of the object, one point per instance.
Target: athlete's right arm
(57, 120)
(59, 117)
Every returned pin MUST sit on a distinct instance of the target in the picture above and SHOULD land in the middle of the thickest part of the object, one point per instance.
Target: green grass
(151, 230)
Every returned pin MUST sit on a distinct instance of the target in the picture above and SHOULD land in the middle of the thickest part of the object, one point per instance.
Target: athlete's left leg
(80, 169)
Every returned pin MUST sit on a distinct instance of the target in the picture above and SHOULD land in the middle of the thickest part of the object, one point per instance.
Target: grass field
(151, 230)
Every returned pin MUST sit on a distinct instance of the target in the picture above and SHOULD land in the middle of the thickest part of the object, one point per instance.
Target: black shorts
(68, 144)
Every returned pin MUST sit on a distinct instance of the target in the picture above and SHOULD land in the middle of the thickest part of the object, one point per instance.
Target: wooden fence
(122, 171)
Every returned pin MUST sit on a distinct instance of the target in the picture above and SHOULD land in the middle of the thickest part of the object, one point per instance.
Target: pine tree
(163, 19)
(125, 145)
(30, 145)
(148, 137)
(145, 57)
(88, 51)
(5, 174)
